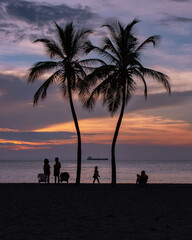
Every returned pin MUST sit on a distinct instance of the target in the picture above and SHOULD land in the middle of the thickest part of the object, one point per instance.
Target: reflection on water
(159, 171)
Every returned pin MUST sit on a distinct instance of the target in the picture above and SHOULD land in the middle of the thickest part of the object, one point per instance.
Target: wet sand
(62, 212)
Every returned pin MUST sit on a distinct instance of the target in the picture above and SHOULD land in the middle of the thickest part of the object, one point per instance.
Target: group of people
(47, 171)
(141, 178)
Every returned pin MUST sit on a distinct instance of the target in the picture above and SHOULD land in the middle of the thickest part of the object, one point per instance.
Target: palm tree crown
(68, 71)
(122, 51)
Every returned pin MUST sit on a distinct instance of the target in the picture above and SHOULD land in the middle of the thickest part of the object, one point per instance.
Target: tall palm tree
(118, 76)
(67, 70)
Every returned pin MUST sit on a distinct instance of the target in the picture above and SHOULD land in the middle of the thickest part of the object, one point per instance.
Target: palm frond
(153, 39)
(83, 87)
(140, 76)
(65, 37)
(40, 68)
(81, 39)
(42, 91)
(158, 76)
(111, 25)
(92, 62)
(100, 89)
(130, 26)
(52, 48)
(108, 45)
(88, 47)
(63, 86)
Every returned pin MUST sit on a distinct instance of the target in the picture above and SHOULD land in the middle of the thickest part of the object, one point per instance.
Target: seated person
(142, 179)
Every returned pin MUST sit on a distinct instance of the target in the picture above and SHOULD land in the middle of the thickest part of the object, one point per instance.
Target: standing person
(96, 175)
(46, 169)
(57, 167)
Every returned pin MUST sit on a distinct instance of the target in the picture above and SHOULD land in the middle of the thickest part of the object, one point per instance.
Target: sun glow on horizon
(135, 129)
(138, 129)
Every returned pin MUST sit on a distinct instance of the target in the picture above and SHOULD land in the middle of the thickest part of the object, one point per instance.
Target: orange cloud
(135, 129)
(23, 145)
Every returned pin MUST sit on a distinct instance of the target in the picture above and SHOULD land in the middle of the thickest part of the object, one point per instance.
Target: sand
(61, 212)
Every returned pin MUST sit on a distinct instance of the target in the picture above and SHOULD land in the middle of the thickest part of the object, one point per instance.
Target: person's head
(96, 167)
(142, 172)
(46, 161)
(56, 159)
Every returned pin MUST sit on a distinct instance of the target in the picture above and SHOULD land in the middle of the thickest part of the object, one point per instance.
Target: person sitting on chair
(143, 178)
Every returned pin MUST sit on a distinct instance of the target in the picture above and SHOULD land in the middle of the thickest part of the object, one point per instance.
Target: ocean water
(14, 171)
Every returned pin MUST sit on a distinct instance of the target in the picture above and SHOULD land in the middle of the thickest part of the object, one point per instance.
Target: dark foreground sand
(61, 212)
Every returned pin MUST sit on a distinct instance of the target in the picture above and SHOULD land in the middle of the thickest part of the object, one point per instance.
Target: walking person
(46, 169)
(57, 167)
(96, 175)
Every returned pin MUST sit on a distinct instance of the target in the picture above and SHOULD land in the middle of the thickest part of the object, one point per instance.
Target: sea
(164, 171)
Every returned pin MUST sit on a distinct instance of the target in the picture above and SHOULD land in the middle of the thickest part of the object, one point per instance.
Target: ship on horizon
(91, 158)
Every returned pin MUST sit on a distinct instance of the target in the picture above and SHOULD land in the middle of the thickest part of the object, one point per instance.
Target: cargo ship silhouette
(91, 158)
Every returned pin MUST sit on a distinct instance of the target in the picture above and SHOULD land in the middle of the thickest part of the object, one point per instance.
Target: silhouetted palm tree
(118, 76)
(69, 73)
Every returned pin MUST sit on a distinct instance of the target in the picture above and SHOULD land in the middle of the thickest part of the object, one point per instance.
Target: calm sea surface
(14, 171)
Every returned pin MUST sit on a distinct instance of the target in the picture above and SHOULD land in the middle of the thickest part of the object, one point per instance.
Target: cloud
(17, 111)
(175, 19)
(180, 1)
(35, 136)
(21, 19)
(17, 140)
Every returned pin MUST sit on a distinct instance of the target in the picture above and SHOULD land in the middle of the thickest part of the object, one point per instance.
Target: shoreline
(95, 211)
(101, 184)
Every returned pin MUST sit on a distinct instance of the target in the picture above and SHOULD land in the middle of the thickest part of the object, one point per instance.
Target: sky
(157, 129)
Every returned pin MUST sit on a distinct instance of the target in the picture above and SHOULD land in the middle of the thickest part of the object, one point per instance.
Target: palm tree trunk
(113, 162)
(78, 174)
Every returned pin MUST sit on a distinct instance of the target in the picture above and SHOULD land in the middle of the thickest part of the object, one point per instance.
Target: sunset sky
(159, 128)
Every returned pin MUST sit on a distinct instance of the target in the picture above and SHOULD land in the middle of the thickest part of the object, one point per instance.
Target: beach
(99, 211)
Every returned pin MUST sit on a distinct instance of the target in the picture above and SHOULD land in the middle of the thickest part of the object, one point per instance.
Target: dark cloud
(39, 17)
(175, 19)
(17, 111)
(41, 14)
(36, 136)
(181, 1)
(159, 100)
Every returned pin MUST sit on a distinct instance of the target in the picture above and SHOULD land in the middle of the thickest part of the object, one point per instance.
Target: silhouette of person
(96, 175)
(57, 167)
(143, 178)
(46, 169)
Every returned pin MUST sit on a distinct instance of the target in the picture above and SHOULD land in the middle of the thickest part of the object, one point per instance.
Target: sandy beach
(62, 212)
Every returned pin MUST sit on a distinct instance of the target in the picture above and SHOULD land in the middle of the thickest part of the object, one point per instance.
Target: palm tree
(67, 70)
(118, 76)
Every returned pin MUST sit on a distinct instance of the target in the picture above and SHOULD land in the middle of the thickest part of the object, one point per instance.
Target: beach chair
(42, 177)
(64, 176)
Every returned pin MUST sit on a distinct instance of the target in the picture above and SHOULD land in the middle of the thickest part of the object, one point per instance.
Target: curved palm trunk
(78, 174)
(113, 162)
